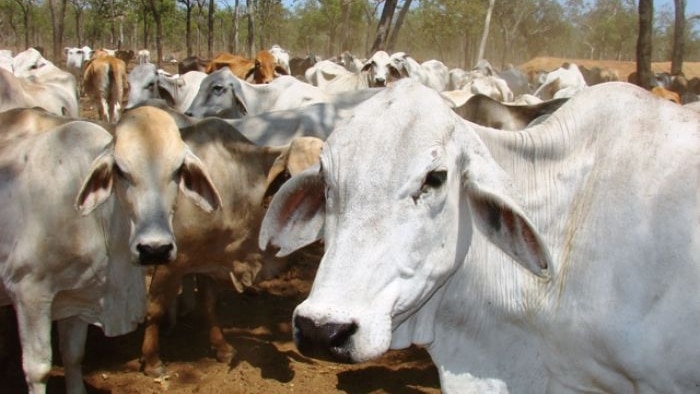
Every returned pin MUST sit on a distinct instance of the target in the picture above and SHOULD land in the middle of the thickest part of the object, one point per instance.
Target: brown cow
(262, 69)
(104, 81)
(222, 246)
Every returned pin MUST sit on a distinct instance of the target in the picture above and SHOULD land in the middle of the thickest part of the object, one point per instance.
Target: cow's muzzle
(155, 254)
(328, 341)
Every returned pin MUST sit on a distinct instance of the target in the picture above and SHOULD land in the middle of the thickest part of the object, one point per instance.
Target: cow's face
(145, 168)
(379, 70)
(143, 84)
(396, 209)
(218, 95)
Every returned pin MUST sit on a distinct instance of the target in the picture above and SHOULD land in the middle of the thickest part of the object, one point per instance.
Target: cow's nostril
(150, 254)
(327, 341)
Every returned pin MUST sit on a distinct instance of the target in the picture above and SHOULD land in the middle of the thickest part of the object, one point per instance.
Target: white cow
(146, 82)
(377, 71)
(565, 81)
(60, 87)
(223, 94)
(431, 73)
(76, 57)
(16, 92)
(561, 258)
(281, 57)
(143, 56)
(6, 59)
(81, 211)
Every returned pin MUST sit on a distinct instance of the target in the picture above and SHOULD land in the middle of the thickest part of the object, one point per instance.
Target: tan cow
(262, 69)
(104, 81)
(82, 212)
(222, 246)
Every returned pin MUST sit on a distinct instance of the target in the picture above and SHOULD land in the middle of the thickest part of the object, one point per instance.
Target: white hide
(561, 258)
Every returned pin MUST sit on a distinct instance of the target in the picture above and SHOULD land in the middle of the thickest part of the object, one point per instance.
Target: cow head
(144, 167)
(379, 70)
(219, 95)
(143, 84)
(396, 210)
(265, 68)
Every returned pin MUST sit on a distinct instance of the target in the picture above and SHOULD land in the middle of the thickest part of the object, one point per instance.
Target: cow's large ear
(296, 214)
(495, 213)
(196, 185)
(97, 186)
(238, 101)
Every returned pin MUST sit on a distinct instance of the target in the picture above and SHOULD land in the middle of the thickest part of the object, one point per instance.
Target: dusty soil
(690, 69)
(257, 323)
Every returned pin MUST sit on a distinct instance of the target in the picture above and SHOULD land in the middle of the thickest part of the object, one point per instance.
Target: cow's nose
(153, 254)
(380, 81)
(327, 341)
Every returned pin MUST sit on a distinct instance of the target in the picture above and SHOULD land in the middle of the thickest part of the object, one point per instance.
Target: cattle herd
(534, 232)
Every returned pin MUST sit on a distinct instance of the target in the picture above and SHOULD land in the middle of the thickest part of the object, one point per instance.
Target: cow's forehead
(147, 133)
(387, 135)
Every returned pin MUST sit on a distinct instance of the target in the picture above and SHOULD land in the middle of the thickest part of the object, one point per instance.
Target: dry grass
(690, 69)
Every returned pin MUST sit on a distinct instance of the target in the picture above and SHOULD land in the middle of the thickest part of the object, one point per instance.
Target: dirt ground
(257, 324)
(690, 69)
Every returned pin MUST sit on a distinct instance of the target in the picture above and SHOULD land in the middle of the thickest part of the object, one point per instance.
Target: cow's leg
(104, 110)
(161, 294)
(72, 333)
(207, 290)
(34, 324)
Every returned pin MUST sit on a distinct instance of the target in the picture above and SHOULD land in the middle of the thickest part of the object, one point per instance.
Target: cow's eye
(433, 180)
(217, 89)
(122, 174)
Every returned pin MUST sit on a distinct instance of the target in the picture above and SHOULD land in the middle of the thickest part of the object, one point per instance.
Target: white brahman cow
(376, 72)
(223, 94)
(76, 58)
(561, 258)
(432, 73)
(58, 88)
(81, 212)
(565, 81)
(147, 82)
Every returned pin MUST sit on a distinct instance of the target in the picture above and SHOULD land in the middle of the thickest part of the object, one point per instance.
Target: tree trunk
(646, 18)
(210, 31)
(188, 28)
(233, 44)
(153, 6)
(345, 20)
(58, 13)
(397, 26)
(485, 35)
(78, 28)
(384, 25)
(250, 9)
(112, 27)
(678, 38)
